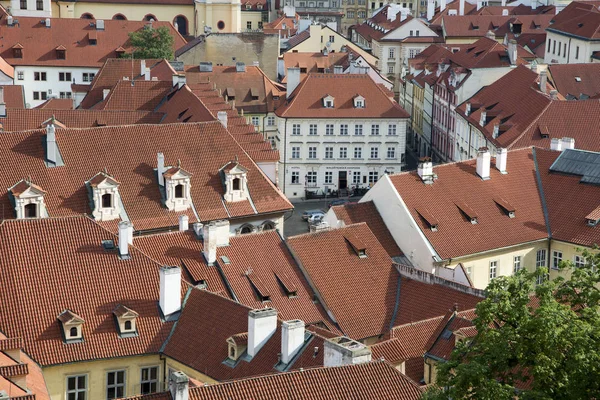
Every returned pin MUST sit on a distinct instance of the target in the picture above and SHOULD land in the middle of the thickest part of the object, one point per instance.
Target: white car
(316, 218)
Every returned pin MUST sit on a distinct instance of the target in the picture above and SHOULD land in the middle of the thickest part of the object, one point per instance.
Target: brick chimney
(483, 163)
(262, 324)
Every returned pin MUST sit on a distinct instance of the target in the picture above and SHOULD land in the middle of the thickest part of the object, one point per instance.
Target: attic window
(107, 200)
(431, 221)
(467, 211)
(17, 50)
(544, 132)
(328, 101)
(105, 196)
(357, 245)
(286, 283)
(506, 206)
(230, 92)
(126, 321)
(61, 52)
(577, 79)
(181, 114)
(254, 93)
(177, 188)
(259, 6)
(28, 198)
(259, 288)
(31, 210)
(237, 345)
(359, 102)
(593, 218)
(72, 325)
(248, 6)
(93, 38)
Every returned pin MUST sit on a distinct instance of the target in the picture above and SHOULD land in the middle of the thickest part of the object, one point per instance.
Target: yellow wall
(251, 16)
(56, 376)
(190, 372)
(569, 251)
(430, 372)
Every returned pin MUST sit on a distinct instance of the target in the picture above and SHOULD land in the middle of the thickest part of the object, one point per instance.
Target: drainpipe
(284, 154)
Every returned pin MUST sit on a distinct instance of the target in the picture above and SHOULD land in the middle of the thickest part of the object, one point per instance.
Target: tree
(151, 43)
(533, 341)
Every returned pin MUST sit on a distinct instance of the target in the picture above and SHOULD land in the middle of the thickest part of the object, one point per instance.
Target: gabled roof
(488, 53)
(575, 80)
(57, 104)
(580, 19)
(13, 97)
(284, 25)
(479, 25)
(69, 317)
(24, 185)
(381, 24)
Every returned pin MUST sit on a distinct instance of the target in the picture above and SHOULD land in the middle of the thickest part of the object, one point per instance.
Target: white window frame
(312, 153)
(295, 152)
(579, 261)
(328, 177)
(329, 129)
(295, 129)
(116, 386)
(356, 177)
(328, 153)
(493, 269)
(150, 380)
(391, 152)
(375, 129)
(295, 174)
(358, 152)
(540, 262)
(313, 130)
(373, 177)
(255, 120)
(270, 121)
(358, 130)
(374, 153)
(392, 130)
(311, 177)
(343, 152)
(556, 258)
(517, 264)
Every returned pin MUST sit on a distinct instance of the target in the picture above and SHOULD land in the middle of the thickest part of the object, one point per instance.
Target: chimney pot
(483, 163)
(47, 22)
(512, 51)
(170, 290)
(292, 339)
(160, 168)
(568, 143)
(197, 227)
(222, 117)
(501, 160)
(425, 170)
(240, 67)
(100, 24)
(556, 144)
(338, 69)
(262, 324)
(124, 227)
(183, 223)
(179, 386)
(543, 80)
(51, 147)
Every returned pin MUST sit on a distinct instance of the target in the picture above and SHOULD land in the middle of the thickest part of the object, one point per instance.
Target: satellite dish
(328, 44)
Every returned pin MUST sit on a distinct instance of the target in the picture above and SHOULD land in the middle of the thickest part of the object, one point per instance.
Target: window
(39, 76)
(260, 23)
(40, 95)
(416, 33)
(554, 47)
(23, 4)
(20, 75)
(564, 49)
(115, 384)
(392, 52)
(249, 25)
(73, 332)
(328, 177)
(373, 176)
(311, 177)
(296, 129)
(577, 52)
(64, 76)
(343, 152)
(149, 380)
(127, 325)
(350, 14)
(359, 104)
(88, 76)
(179, 191)
(77, 387)
(331, 38)
(556, 259)
(312, 129)
(343, 129)
(391, 69)
(36, 95)
(329, 129)
(358, 130)
(312, 153)
(236, 183)
(549, 44)
(255, 121)
(540, 262)
(516, 264)
(579, 261)
(295, 177)
(66, 95)
(61, 54)
(356, 177)
(39, 5)
(374, 152)
(328, 152)
(296, 152)
(357, 152)
(391, 152)
(493, 269)
(361, 14)
(392, 130)
(107, 200)
(375, 130)
(270, 121)
(43, 95)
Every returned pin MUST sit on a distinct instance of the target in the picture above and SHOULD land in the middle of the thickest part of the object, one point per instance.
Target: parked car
(338, 202)
(316, 218)
(308, 213)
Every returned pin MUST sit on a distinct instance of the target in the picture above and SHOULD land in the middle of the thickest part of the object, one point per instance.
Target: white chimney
(130, 234)
(505, 12)
(442, 5)
(338, 69)
(179, 386)
(430, 9)
(209, 247)
(240, 67)
(483, 163)
(47, 22)
(479, 5)
(293, 80)
(142, 67)
(147, 74)
(51, 147)
(9, 20)
(468, 109)
(100, 24)
(292, 339)
(197, 227)
(501, 159)
(425, 170)
(404, 14)
(533, 4)
(345, 351)
(556, 144)
(222, 117)
(512, 51)
(262, 324)
(568, 143)
(2, 103)
(554, 94)
(543, 80)
(105, 93)
(503, 3)
(160, 168)
(183, 223)
(170, 290)
(178, 80)
(124, 239)
(461, 7)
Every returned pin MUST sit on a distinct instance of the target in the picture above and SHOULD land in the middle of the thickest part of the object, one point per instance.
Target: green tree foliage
(151, 43)
(545, 346)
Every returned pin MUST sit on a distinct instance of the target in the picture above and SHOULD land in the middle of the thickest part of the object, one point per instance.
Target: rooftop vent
(508, 208)
(357, 245)
(428, 217)
(467, 211)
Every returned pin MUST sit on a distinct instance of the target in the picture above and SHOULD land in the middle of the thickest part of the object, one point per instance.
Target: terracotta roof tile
(13, 96)
(371, 29)
(575, 79)
(580, 19)
(135, 95)
(390, 350)
(479, 25)
(57, 104)
(9, 368)
(488, 53)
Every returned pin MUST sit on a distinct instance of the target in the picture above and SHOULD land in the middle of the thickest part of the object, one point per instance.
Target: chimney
(222, 117)
(501, 158)
(430, 9)
(556, 144)
(292, 339)
(338, 69)
(184, 224)
(105, 93)
(490, 35)
(209, 247)
(503, 3)
(179, 386)
(425, 170)
(9, 20)
(147, 74)
(505, 12)
(512, 51)
(160, 168)
(197, 227)
(178, 80)
(479, 5)
(170, 290)
(4, 395)
(51, 147)
(130, 234)
(262, 324)
(461, 7)
(143, 67)
(99, 24)
(554, 94)
(2, 103)
(483, 118)
(468, 109)
(568, 143)
(47, 22)
(345, 351)
(206, 66)
(404, 13)
(293, 80)
(483, 163)
(442, 5)
(256, 64)
(533, 4)
(496, 131)
(124, 239)
(240, 67)
(543, 80)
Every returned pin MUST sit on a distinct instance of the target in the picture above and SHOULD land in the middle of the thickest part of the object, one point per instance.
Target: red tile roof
(39, 43)
(390, 350)
(479, 25)
(575, 79)
(57, 104)
(313, 62)
(580, 19)
(33, 244)
(367, 212)
(298, 38)
(307, 99)
(371, 28)
(487, 53)
(10, 368)
(13, 96)
(443, 341)
(135, 95)
(285, 26)
(455, 235)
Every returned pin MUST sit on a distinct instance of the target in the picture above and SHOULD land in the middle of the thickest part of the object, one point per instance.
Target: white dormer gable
(105, 197)
(126, 321)
(359, 101)
(72, 325)
(177, 188)
(328, 101)
(28, 199)
(235, 177)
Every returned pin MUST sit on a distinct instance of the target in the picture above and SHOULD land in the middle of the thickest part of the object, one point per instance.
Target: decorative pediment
(328, 101)
(126, 321)
(25, 189)
(235, 179)
(359, 101)
(72, 325)
(28, 199)
(106, 202)
(103, 180)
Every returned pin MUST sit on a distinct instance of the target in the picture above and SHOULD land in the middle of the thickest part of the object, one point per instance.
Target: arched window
(31, 210)
(73, 332)
(150, 17)
(268, 226)
(231, 352)
(86, 16)
(246, 229)
(107, 200)
(179, 191)
(119, 17)
(127, 325)
(182, 24)
(236, 183)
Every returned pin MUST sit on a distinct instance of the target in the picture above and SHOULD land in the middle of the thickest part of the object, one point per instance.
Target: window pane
(81, 382)
(71, 383)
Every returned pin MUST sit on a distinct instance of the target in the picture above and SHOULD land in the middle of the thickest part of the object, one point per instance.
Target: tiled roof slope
(441, 345)
(57, 104)
(487, 53)
(39, 43)
(285, 26)
(13, 96)
(580, 19)
(307, 99)
(135, 95)
(479, 25)
(368, 31)
(363, 302)
(575, 79)
(273, 273)
(199, 339)
(34, 118)
(298, 38)
(457, 236)
(367, 212)
(203, 149)
(34, 380)
(36, 265)
(184, 106)
(312, 62)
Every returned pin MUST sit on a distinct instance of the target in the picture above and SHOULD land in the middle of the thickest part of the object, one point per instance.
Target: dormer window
(359, 102)
(105, 197)
(236, 182)
(72, 326)
(328, 101)
(259, 6)
(593, 218)
(126, 321)
(61, 52)
(357, 245)
(236, 346)
(177, 188)
(18, 50)
(28, 199)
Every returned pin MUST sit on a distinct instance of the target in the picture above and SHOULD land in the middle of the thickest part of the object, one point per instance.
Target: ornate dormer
(328, 101)
(177, 188)
(237, 345)
(235, 177)
(105, 197)
(72, 325)
(359, 101)
(28, 199)
(126, 321)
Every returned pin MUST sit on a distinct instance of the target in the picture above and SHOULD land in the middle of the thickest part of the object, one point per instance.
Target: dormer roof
(124, 312)
(233, 167)
(68, 317)
(177, 172)
(102, 177)
(24, 186)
